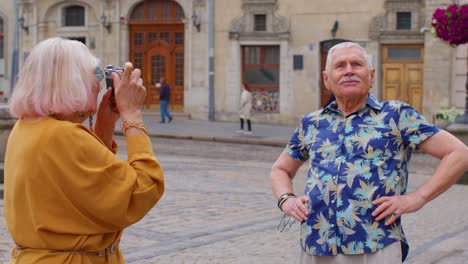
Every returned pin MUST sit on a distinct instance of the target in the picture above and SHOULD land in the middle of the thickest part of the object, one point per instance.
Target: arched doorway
(325, 46)
(157, 47)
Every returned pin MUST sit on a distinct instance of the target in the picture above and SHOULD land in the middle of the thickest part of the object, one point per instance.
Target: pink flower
(451, 24)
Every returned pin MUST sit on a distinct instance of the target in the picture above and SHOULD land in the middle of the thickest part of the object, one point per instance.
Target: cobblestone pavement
(218, 208)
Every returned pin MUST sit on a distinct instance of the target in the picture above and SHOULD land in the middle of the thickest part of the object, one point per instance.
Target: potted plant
(451, 25)
(445, 117)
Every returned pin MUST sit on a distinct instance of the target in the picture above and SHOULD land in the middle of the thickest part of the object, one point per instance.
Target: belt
(109, 250)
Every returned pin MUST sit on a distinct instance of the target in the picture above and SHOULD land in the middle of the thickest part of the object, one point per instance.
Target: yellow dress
(65, 190)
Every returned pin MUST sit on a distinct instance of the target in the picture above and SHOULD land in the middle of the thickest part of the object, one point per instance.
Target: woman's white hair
(56, 78)
(345, 45)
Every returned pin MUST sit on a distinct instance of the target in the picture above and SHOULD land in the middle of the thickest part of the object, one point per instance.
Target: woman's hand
(106, 118)
(295, 207)
(130, 93)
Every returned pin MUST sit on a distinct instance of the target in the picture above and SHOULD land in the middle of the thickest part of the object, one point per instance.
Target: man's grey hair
(345, 45)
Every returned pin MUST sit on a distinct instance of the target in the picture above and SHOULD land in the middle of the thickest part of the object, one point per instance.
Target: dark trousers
(249, 126)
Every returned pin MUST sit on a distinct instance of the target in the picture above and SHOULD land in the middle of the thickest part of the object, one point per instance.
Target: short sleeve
(297, 146)
(414, 127)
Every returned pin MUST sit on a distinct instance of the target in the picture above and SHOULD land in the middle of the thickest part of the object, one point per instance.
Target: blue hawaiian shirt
(354, 160)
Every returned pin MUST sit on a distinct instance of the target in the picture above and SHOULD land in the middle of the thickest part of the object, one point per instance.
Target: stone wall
(6, 124)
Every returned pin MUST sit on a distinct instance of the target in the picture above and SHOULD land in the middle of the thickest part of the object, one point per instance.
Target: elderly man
(358, 150)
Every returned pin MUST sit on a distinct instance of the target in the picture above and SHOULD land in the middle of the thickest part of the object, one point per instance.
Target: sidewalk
(269, 135)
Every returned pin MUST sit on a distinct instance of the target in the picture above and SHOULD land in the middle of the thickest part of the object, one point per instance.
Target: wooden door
(157, 47)
(402, 74)
(158, 63)
(325, 46)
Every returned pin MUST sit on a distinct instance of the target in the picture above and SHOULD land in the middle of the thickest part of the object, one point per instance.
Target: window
(261, 70)
(74, 16)
(403, 20)
(404, 53)
(157, 10)
(80, 39)
(179, 12)
(158, 68)
(137, 39)
(179, 38)
(260, 22)
(153, 10)
(166, 9)
(138, 13)
(179, 69)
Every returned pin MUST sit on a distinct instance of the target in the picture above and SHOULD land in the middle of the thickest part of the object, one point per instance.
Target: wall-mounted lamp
(23, 27)
(105, 23)
(335, 28)
(196, 21)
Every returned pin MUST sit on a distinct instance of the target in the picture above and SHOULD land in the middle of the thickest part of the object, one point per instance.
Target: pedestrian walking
(164, 98)
(245, 109)
(358, 150)
(67, 195)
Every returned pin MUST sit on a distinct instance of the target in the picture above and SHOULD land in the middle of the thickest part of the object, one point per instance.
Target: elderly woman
(68, 197)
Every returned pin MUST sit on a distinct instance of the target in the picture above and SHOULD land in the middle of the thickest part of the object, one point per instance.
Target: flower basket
(451, 24)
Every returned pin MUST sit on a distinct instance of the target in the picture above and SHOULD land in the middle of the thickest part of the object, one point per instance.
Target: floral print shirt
(354, 160)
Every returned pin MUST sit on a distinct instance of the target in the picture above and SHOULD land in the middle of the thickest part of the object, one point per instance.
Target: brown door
(402, 74)
(158, 63)
(325, 46)
(157, 48)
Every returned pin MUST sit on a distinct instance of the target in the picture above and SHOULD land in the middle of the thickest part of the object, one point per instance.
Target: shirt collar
(371, 102)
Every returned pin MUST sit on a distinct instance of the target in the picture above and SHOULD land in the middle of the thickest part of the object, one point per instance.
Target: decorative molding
(243, 27)
(199, 3)
(384, 26)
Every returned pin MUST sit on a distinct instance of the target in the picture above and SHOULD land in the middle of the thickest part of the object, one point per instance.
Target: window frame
(264, 26)
(166, 11)
(63, 14)
(400, 19)
(261, 64)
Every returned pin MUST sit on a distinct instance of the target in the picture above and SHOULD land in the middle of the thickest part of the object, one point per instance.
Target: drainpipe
(117, 37)
(14, 59)
(211, 60)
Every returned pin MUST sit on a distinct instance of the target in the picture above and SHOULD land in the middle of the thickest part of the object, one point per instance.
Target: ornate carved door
(157, 48)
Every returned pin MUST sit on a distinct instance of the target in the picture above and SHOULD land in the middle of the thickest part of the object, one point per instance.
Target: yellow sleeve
(102, 192)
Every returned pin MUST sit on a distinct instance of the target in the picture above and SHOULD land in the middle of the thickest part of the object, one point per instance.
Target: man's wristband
(283, 198)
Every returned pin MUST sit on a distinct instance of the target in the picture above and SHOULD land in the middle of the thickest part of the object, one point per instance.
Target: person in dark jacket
(164, 96)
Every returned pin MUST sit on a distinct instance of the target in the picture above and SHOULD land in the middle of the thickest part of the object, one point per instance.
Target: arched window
(157, 10)
(73, 16)
(138, 12)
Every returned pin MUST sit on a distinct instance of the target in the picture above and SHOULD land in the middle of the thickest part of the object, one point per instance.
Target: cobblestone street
(218, 208)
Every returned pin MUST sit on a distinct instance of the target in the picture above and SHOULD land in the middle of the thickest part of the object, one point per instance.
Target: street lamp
(21, 21)
(105, 23)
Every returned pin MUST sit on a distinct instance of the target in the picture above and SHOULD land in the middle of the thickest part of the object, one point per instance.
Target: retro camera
(109, 70)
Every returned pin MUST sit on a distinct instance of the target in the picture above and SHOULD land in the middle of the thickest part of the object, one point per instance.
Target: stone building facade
(277, 47)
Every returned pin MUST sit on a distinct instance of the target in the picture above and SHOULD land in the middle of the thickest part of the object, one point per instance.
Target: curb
(248, 141)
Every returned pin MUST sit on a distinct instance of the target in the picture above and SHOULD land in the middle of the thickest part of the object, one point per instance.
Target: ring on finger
(395, 214)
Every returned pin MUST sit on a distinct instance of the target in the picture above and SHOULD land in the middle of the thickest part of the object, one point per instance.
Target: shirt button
(332, 225)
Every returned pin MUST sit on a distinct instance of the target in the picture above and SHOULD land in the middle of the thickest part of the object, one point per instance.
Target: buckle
(113, 248)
